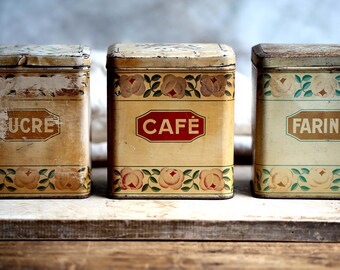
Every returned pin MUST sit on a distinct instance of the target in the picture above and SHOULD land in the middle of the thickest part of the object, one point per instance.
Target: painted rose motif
(28, 178)
(66, 179)
(320, 178)
(324, 86)
(171, 178)
(131, 179)
(211, 180)
(280, 179)
(173, 86)
(282, 85)
(213, 85)
(131, 85)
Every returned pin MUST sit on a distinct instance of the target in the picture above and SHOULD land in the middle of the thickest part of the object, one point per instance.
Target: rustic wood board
(167, 255)
(242, 218)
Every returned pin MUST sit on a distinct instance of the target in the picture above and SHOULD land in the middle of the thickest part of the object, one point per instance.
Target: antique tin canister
(170, 120)
(297, 136)
(44, 121)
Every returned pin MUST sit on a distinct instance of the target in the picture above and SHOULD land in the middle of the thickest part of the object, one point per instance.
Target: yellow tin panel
(44, 132)
(297, 132)
(170, 132)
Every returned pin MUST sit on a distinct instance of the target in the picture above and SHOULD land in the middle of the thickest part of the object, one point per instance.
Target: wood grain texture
(167, 255)
(242, 218)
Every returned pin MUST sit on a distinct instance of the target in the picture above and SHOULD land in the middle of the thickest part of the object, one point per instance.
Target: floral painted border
(172, 180)
(298, 85)
(289, 180)
(48, 180)
(172, 86)
(41, 84)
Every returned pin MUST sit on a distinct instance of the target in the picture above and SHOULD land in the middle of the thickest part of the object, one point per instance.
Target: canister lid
(296, 55)
(44, 55)
(170, 55)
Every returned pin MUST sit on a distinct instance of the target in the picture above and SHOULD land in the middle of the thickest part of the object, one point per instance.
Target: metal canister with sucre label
(44, 121)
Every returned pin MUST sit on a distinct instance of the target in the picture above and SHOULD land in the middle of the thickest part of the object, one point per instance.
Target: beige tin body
(170, 120)
(44, 121)
(297, 137)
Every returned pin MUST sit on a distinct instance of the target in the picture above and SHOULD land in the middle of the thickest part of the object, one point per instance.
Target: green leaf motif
(337, 77)
(2, 172)
(41, 188)
(187, 93)
(227, 93)
(266, 84)
(266, 171)
(158, 93)
(2, 186)
(306, 85)
(147, 93)
(294, 186)
(189, 77)
(188, 181)
(187, 172)
(267, 76)
(226, 178)
(298, 93)
(155, 171)
(11, 188)
(297, 78)
(153, 179)
(8, 179)
(267, 93)
(155, 189)
(155, 77)
(116, 172)
(185, 189)
(265, 181)
(115, 182)
(226, 187)
(115, 75)
(306, 77)
(336, 172)
(266, 188)
(305, 170)
(42, 181)
(309, 93)
(225, 171)
(198, 77)
(43, 171)
(81, 92)
(146, 172)
(145, 187)
(155, 85)
(81, 169)
(296, 171)
(147, 78)
(11, 171)
(192, 87)
(51, 174)
(336, 181)
(335, 188)
(229, 84)
(197, 94)
(258, 176)
(303, 179)
(196, 186)
(304, 188)
(337, 92)
(228, 76)
(195, 174)
(258, 186)
(118, 189)
(51, 185)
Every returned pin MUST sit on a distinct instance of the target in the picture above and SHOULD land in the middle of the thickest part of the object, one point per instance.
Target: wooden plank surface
(167, 255)
(242, 218)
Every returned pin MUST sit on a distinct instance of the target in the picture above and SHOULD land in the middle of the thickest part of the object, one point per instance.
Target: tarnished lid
(296, 55)
(44, 55)
(170, 55)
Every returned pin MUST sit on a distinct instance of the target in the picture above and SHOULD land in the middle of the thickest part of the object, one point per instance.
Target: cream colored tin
(170, 120)
(297, 127)
(44, 121)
